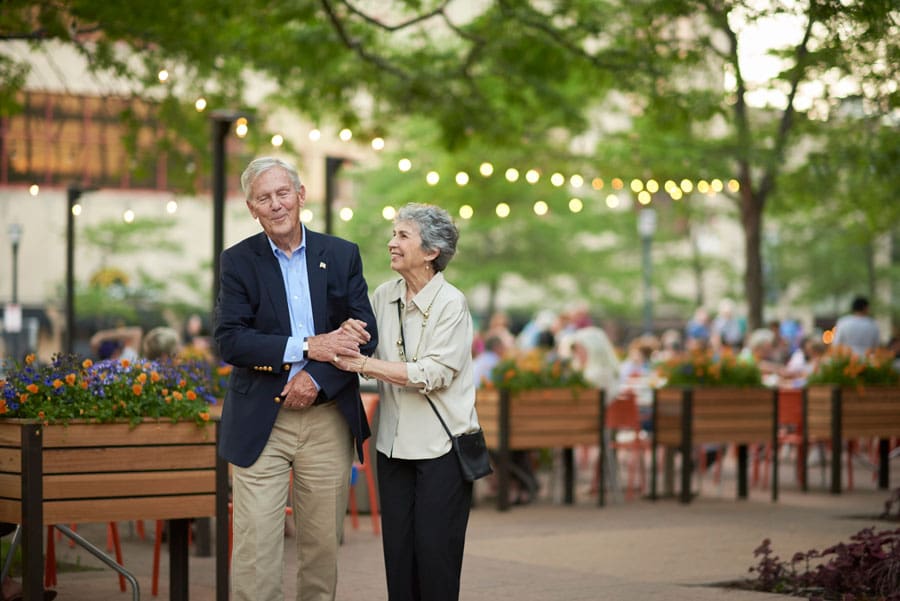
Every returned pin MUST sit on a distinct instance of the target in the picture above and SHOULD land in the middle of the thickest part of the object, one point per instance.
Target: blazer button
(278, 399)
(286, 367)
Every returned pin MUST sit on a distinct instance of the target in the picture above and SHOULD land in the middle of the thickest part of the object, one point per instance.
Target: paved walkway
(639, 550)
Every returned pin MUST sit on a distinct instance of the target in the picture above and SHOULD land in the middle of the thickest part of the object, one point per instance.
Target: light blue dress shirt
(296, 285)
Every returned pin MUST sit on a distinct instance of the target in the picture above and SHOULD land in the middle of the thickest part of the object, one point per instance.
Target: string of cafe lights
(642, 189)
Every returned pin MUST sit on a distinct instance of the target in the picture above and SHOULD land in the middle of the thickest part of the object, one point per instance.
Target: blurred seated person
(758, 351)
(485, 361)
(670, 346)
(197, 344)
(803, 362)
(637, 368)
(117, 343)
(161, 344)
(698, 326)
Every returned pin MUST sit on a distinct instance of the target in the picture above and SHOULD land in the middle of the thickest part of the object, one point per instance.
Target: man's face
(275, 203)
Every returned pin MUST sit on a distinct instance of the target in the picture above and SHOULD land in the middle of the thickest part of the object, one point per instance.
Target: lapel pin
(322, 265)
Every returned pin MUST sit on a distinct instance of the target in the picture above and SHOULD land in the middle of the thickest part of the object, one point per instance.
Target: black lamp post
(15, 236)
(222, 120)
(332, 166)
(73, 194)
(646, 225)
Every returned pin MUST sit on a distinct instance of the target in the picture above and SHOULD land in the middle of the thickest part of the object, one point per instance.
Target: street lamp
(15, 236)
(222, 121)
(73, 193)
(332, 165)
(646, 225)
(14, 322)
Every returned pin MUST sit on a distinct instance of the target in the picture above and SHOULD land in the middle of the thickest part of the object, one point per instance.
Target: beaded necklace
(401, 343)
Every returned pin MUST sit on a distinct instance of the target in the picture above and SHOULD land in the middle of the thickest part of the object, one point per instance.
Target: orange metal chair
(370, 402)
(624, 423)
(112, 542)
(790, 432)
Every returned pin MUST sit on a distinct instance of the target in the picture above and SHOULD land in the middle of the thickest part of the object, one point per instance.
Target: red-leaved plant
(865, 569)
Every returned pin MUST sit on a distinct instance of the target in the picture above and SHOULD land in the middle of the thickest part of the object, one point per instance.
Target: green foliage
(523, 80)
(533, 370)
(841, 367)
(582, 255)
(705, 368)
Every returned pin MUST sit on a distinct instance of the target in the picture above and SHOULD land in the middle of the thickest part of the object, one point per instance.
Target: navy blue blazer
(253, 326)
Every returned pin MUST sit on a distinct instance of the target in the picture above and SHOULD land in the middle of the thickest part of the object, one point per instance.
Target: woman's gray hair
(435, 228)
(259, 166)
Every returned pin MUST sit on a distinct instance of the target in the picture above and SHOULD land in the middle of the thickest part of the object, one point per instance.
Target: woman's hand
(354, 363)
(356, 329)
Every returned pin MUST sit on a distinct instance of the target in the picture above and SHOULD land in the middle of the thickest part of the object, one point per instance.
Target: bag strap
(402, 343)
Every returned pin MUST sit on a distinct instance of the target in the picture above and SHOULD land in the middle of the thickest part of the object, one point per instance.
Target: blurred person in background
(857, 329)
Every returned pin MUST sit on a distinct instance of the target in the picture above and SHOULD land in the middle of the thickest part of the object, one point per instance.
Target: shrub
(69, 387)
(865, 569)
(704, 368)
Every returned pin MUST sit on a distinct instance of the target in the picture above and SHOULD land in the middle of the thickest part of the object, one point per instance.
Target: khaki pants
(315, 444)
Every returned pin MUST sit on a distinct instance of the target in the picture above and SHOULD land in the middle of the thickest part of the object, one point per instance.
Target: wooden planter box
(62, 474)
(685, 417)
(535, 419)
(841, 414)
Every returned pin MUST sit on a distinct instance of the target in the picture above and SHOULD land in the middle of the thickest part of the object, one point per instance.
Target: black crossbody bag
(470, 447)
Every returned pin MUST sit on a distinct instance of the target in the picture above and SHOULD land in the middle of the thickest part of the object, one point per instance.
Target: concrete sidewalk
(639, 550)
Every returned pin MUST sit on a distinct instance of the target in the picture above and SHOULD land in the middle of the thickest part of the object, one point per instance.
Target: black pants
(424, 513)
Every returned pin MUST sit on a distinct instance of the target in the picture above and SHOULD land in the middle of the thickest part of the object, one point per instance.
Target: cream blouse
(438, 363)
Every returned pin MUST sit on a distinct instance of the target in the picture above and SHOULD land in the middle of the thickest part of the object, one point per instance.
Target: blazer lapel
(317, 272)
(273, 283)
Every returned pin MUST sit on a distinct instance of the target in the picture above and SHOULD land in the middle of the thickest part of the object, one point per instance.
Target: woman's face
(405, 247)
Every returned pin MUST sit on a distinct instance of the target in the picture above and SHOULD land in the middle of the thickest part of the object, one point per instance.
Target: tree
(570, 255)
(510, 74)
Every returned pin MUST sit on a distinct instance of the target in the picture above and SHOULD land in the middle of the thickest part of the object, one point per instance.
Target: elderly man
(289, 411)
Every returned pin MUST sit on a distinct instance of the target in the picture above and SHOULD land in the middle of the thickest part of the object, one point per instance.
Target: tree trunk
(751, 218)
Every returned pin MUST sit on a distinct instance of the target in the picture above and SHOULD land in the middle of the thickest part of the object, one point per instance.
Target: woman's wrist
(362, 369)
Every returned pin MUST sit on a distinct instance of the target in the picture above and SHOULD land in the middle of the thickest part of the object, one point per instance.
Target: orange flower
(177, 395)
(41, 414)
(29, 359)
(137, 389)
(191, 395)
(23, 397)
(125, 362)
(3, 407)
(32, 388)
(70, 379)
(84, 384)
(142, 378)
(87, 363)
(204, 415)
(223, 370)
(57, 383)
(154, 376)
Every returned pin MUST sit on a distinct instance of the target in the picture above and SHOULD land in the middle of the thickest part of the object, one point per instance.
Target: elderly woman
(424, 353)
